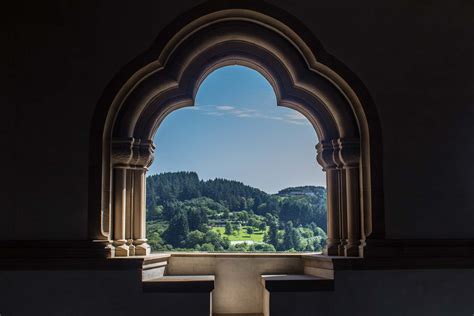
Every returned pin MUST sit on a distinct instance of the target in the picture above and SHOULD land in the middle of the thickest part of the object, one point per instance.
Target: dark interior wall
(79, 293)
(388, 293)
(416, 60)
(410, 292)
(60, 56)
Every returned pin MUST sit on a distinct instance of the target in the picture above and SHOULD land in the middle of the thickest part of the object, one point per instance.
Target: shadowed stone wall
(415, 59)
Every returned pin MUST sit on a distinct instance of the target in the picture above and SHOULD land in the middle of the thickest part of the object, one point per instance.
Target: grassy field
(241, 235)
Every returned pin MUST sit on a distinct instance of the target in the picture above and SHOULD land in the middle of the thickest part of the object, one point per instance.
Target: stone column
(350, 157)
(139, 215)
(144, 155)
(131, 157)
(121, 156)
(325, 158)
(130, 210)
(341, 194)
(120, 192)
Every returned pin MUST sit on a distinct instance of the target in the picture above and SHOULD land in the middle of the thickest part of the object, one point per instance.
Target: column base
(131, 247)
(122, 250)
(109, 250)
(331, 249)
(342, 247)
(131, 250)
(352, 250)
(142, 249)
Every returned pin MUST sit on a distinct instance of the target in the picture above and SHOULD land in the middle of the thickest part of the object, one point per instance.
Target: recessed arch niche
(304, 78)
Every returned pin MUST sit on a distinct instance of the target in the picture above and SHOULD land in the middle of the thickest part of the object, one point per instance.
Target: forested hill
(183, 185)
(184, 212)
(302, 205)
(303, 190)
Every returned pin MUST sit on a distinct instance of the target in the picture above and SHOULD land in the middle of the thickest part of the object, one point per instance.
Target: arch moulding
(304, 78)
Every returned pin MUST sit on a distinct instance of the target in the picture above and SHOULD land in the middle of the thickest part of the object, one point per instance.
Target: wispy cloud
(249, 113)
(295, 116)
(296, 122)
(224, 107)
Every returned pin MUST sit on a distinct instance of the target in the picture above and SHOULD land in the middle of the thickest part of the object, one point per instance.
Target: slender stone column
(120, 242)
(350, 157)
(130, 206)
(143, 157)
(139, 215)
(341, 195)
(130, 158)
(325, 158)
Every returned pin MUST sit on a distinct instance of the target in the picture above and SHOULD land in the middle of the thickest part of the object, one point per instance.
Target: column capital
(349, 152)
(325, 155)
(132, 152)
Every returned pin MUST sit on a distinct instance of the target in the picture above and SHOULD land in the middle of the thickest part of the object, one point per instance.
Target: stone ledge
(180, 284)
(387, 263)
(251, 314)
(34, 249)
(82, 263)
(296, 283)
(241, 254)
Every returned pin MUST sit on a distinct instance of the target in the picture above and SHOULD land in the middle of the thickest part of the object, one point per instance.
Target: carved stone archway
(304, 78)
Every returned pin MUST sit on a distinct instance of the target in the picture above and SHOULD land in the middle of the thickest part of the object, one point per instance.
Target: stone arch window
(304, 78)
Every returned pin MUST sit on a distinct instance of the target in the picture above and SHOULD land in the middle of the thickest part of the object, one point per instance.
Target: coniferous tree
(273, 234)
(178, 229)
(197, 218)
(228, 228)
(287, 239)
(178, 202)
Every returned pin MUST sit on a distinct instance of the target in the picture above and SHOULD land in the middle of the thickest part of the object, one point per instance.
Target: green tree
(154, 212)
(252, 221)
(228, 228)
(264, 247)
(207, 247)
(249, 230)
(292, 238)
(197, 218)
(236, 227)
(216, 240)
(287, 239)
(194, 239)
(179, 202)
(178, 229)
(273, 234)
(243, 216)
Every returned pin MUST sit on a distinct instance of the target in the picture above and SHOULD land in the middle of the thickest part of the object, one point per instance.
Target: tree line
(184, 211)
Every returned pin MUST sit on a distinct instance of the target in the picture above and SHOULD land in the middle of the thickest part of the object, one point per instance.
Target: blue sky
(236, 131)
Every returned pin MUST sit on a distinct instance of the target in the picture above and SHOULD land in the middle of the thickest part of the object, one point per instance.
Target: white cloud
(296, 116)
(296, 122)
(224, 107)
(249, 113)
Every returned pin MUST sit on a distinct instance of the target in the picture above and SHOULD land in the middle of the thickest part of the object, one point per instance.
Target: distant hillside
(308, 203)
(185, 212)
(303, 190)
(183, 185)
